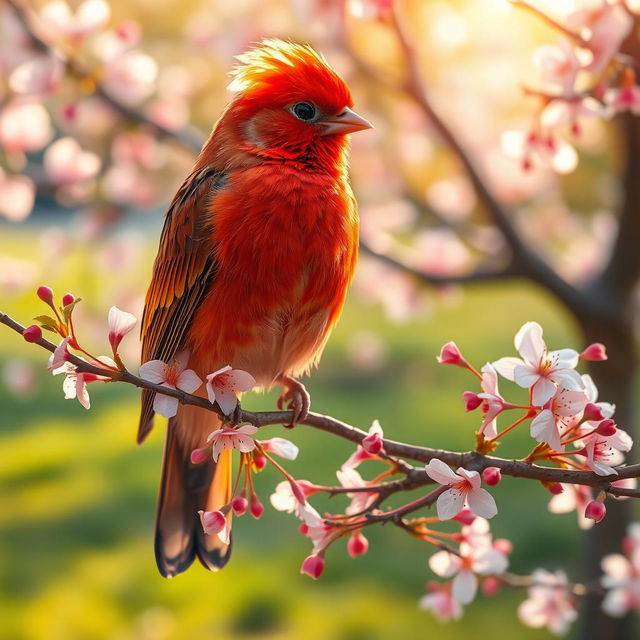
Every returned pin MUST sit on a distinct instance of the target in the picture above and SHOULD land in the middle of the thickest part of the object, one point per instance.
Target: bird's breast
(286, 244)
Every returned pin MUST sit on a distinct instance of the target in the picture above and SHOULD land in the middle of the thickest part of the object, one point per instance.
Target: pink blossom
(75, 382)
(549, 424)
(464, 488)
(59, 356)
(283, 498)
(492, 402)
(440, 601)
(594, 352)
(540, 370)
(18, 196)
(450, 354)
(358, 545)
(223, 384)
(569, 112)
(573, 497)
(281, 447)
(550, 603)
(39, 76)
(471, 561)
(66, 163)
(558, 65)
(604, 26)
(622, 581)
(215, 522)
(536, 149)
(172, 375)
(471, 400)
(605, 452)
(90, 16)
(360, 500)
(120, 323)
(373, 442)
(24, 126)
(130, 77)
(239, 438)
(627, 97)
(313, 566)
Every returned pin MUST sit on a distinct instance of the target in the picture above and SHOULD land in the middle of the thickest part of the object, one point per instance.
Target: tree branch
(470, 460)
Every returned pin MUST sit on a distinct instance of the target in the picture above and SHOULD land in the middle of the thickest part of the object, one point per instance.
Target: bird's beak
(346, 122)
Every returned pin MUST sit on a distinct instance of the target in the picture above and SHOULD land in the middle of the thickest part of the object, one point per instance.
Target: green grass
(77, 497)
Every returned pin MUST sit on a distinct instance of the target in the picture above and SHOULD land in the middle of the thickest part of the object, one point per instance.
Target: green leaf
(47, 322)
(68, 310)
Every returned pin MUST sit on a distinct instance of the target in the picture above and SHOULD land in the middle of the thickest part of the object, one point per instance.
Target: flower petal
(165, 405)
(481, 502)
(543, 391)
(464, 587)
(529, 343)
(227, 400)
(441, 472)
(240, 380)
(506, 367)
(449, 504)
(188, 381)
(153, 371)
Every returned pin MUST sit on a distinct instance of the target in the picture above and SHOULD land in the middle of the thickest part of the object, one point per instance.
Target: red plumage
(256, 255)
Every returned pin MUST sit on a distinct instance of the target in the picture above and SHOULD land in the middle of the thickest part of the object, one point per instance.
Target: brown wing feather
(183, 270)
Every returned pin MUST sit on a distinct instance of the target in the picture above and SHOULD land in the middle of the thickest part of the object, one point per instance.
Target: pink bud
(32, 333)
(358, 545)
(212, 521)
(372, 444)
(67, 298)
(450, 354)
(490, 586)
(259, 462)
(595, 510)
(628, 545)
(607, 427)
(313, 566)
(592, 412)
(503, 545)
(491, 476)
(466, 516)
(303, 528)
(239, 505)
(45, 294)
(308, 489)
(595, 352)
(471, 400)
(555, 488)
(198, 456)
(256, 507)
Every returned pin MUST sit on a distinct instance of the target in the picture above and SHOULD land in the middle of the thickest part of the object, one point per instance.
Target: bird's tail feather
(184, 490)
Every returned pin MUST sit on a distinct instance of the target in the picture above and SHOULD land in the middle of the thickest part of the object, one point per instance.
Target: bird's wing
(184, 268)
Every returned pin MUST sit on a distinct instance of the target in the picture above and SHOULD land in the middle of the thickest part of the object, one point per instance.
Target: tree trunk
(615, 379)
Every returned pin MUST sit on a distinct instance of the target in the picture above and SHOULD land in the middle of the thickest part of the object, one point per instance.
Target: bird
(257, 251)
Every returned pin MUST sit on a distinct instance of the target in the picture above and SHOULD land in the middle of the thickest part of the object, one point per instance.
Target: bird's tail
(184, 490)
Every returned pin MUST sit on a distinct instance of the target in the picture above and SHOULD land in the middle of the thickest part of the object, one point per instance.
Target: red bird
(257, 251)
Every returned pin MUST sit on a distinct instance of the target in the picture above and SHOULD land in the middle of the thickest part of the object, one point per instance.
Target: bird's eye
(304, 111)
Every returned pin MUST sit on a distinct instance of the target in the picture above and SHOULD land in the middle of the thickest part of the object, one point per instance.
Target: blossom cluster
(584, 76)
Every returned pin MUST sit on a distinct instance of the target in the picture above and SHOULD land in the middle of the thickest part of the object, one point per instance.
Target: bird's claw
(296, 398)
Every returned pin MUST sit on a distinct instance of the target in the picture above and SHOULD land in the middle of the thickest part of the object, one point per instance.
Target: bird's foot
(295, 397)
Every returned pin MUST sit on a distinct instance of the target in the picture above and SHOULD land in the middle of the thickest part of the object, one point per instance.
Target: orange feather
(257, 252)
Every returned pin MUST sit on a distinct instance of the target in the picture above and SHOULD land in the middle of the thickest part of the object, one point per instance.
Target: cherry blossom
(281, 447)
(440, 601)
(605, 452)
(313, 566)
(471, 561)
(569, 112)
(60, 355)
(67, 163)
(173, 375)
(540, 370)
(24, 126)
(622, 576)
(492, 402)
(536, 149)
(120, 323)
(130, 77)
(573, 497)
(239, 438)
(450, 354)
(373, 442)
(549, 604)
(558, 65)
(223, 384)
(464, 488)
(626, 97)
(75, 382)
(215, 522)
(283, 499)
(18, 196)
(360, 500)
(90, 16)
(550, 423)
(39, 76)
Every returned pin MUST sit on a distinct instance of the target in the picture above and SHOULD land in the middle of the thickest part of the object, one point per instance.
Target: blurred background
(84, 184)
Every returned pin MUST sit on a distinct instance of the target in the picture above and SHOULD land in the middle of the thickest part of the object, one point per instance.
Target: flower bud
(198, 456)
(595, 352)
(466, 516)
(503, 545)
(358, 545)
(490, 586)
(256, 507)
(32, 333)
(239, 505)
(372, 444)
(67, 299)
(212, 521)
(45, 294)
(595, 510)
(259, 462)
(607, 427)
(592, 412)
(491, 476)
(450, 354)
(471, 400)
(553, 487)
(313, 566)
(303, 528)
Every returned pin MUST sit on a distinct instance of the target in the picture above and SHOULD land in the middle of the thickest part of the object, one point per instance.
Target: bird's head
(290, 104)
